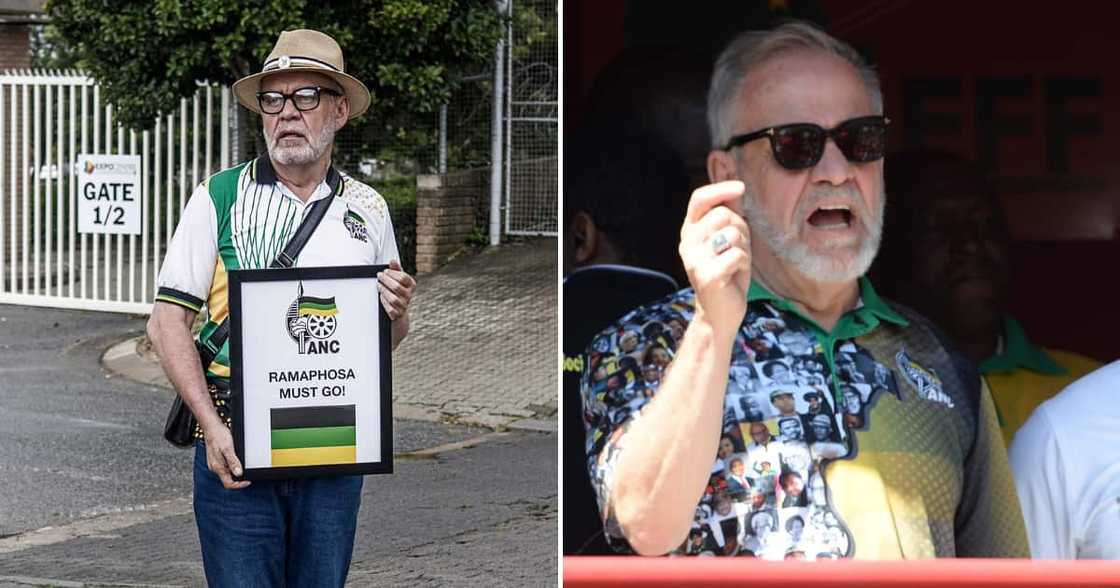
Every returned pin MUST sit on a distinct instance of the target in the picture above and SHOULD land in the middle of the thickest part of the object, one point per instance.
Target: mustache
(846, 193)
(293, 131)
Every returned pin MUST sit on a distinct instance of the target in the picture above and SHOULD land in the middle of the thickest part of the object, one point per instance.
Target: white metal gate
(46, 120)
(532, 128)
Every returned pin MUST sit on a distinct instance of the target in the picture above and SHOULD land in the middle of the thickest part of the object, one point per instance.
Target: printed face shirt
(872, 441)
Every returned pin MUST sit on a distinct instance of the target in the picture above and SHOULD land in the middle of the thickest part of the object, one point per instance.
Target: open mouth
(288, 135)
(831, 217)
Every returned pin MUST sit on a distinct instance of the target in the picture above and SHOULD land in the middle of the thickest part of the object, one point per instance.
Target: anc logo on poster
(311, 323)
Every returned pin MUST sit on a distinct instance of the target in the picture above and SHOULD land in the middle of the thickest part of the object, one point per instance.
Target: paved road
(80, 451)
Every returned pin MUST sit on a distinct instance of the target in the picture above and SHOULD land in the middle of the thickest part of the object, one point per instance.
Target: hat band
(276, 63)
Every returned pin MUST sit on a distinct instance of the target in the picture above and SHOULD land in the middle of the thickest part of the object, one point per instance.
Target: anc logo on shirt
(357, 227)
(311, 322)
(924, 381)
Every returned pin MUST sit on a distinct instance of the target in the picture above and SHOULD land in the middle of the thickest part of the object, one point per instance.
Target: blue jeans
(292, 533)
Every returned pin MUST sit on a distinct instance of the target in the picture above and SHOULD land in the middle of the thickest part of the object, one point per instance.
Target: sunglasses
(801, 145)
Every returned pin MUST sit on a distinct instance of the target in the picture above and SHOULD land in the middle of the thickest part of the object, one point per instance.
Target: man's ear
(585, 238)
(721, 166)
(343, 111)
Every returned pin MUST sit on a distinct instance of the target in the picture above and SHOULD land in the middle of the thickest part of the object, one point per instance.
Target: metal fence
(47, 118)
(532, 119)
(458, 137)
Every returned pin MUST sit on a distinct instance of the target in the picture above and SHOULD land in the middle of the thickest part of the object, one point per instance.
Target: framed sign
(109, 194)
(310, 381)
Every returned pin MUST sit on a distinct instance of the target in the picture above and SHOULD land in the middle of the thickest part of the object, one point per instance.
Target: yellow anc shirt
(874, 440)
(1022, 376)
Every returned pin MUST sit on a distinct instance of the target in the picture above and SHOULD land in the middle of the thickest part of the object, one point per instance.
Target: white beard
(305, 153)
(825, 266)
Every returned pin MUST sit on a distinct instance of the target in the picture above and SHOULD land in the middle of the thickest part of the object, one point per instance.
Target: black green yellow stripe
(180, 298)
(317, 306)
(313, 435)
(350, 214)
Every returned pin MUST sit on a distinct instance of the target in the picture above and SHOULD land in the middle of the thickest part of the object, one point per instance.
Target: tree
(147, 54)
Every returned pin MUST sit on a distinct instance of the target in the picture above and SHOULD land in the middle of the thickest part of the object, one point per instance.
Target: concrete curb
(125, 360)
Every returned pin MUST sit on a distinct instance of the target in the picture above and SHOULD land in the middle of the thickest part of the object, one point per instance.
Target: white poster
(310, 369)
(109, 197)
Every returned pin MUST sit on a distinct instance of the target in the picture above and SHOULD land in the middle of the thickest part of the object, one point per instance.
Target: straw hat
(304, 50)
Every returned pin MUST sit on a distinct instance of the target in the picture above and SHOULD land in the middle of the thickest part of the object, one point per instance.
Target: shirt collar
(865, 317)
(869, 301)
(264, 173)
(1019, 353)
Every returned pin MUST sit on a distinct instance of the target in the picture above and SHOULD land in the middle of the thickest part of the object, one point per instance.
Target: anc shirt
(1021, 376)
(871, 441)
(242, 217)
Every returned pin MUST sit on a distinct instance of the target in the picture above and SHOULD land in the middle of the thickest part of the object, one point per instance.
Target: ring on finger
(720, 243)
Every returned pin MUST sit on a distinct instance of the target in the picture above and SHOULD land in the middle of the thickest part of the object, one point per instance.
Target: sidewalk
(481, 350)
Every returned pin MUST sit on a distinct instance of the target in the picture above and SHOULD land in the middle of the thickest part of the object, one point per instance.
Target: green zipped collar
(855, 322)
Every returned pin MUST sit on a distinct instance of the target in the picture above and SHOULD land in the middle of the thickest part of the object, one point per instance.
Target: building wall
(446, 213)
(15, 46)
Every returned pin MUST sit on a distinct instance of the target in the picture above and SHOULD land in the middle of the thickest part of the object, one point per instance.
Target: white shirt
(1066, 462)
(255, 226)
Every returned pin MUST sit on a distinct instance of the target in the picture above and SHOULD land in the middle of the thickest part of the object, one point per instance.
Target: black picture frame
(237, 406)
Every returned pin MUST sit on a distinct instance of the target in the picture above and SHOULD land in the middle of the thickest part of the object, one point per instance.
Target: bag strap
(209, 349)
(287, 257)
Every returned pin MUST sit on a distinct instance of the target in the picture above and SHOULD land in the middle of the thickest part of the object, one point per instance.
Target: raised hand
(715, 248)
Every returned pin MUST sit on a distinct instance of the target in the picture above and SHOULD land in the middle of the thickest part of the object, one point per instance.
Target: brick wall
(15, 46)
(446, 213)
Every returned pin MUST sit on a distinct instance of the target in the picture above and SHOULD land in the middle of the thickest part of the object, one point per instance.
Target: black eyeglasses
(800, 145)
(303, 99)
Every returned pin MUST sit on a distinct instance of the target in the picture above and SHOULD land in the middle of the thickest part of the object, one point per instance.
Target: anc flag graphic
(310, 305)
(313, 435)
(355, 218)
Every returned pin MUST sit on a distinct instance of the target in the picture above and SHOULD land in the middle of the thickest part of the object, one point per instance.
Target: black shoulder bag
(180, 425)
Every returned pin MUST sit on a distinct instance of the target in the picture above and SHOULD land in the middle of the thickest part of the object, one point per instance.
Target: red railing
(587, 572)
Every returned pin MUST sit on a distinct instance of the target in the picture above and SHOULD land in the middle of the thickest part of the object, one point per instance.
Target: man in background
(622, 189)
(946, 254)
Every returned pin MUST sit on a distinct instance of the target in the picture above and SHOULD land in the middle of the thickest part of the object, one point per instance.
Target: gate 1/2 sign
(109, 194)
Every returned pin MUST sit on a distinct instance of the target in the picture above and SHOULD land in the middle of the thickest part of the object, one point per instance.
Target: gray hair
(748, 50)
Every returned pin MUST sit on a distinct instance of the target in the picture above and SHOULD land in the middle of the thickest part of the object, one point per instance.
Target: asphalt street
(91, 494)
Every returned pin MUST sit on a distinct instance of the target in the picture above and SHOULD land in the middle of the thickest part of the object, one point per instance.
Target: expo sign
(109, 197)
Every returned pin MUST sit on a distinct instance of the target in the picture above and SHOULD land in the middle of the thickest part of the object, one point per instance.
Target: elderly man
(787, 231)
(290, 532)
